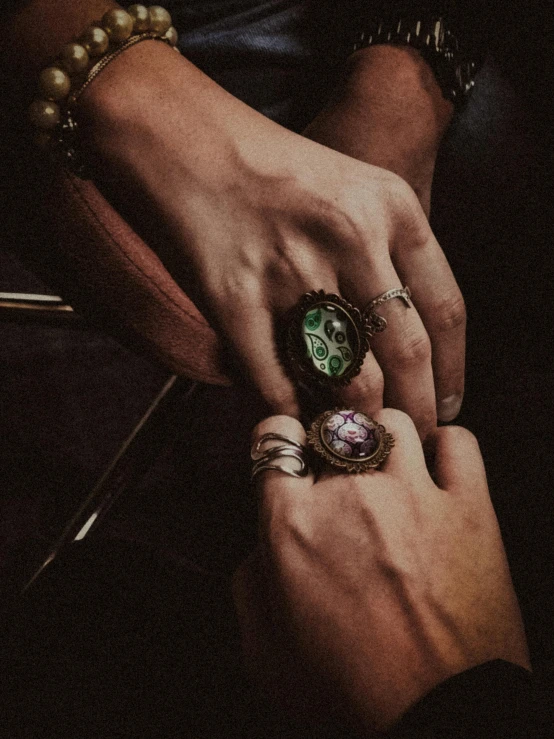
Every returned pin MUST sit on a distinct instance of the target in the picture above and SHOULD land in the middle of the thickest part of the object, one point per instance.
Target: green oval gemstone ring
(327, 339)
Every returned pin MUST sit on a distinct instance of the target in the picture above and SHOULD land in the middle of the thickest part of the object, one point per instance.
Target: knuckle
(415, 350)
(410, 225)
(368, 387)
(281, 400)
(405, 199)
(373, 384)
(450, 313)
(243, 289)
(347, 225)
(459, 435)
(392, 418)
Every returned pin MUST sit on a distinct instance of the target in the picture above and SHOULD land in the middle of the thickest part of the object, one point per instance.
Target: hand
(254, 216)
(388, 111)
(384, 583)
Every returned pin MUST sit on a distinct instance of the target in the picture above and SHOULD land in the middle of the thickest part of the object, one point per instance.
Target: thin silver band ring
(378, 322)
(270, 462)
(256, 451)
(267, 460)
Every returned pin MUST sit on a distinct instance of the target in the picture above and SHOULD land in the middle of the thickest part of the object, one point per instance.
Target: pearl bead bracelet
(63, 82)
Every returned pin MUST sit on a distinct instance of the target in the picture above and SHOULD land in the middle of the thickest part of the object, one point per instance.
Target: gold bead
(75, 58)
(54, 83)
(44, 114)
(95, 40)
(118, 24)
(140, 16)
(171, 36)
(160, 20)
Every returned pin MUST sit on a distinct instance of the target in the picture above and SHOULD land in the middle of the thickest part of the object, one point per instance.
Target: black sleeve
(497, 700)
(114, 640)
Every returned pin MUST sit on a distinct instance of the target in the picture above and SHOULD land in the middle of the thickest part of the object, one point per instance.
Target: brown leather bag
(105, 270)
(128, 283)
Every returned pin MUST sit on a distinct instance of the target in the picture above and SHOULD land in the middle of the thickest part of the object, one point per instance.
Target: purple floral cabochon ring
(349, 440)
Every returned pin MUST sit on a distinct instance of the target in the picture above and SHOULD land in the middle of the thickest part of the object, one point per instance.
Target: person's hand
(388, 111)
(254, 216)
(384, 583)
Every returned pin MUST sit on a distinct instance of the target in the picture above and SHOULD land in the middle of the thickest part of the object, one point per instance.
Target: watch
(454, 64)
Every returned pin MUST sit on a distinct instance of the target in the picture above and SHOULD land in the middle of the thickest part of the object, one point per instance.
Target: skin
(248, 216)
(390, 112)
(381, 585)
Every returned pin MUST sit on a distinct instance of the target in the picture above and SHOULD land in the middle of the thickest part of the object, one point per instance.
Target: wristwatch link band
(430, 35)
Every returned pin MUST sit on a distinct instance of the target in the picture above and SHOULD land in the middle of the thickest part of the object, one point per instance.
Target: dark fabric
(283, 57)
(497, 700)
(113, 641)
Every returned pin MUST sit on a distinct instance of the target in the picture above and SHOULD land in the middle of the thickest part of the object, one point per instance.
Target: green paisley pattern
(317, 348)
(312, 320)
(325, 333)
(335, 366)
(345, 353)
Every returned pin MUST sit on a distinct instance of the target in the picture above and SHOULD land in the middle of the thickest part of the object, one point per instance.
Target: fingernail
(448, 409)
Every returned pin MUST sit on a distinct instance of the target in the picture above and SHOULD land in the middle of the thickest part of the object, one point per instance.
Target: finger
(420, 261)
(274, 487)
(406, 459)
(458, 462)
(403, 349)
(365, 392)
(251, 330)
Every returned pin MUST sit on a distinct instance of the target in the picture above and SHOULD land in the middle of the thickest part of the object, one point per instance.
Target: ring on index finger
(326, 339)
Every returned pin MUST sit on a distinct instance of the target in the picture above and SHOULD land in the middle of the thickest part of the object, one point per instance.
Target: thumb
(458, 462)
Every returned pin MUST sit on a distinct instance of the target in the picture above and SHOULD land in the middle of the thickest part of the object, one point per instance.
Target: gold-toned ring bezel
(302, 366)
(340, 462)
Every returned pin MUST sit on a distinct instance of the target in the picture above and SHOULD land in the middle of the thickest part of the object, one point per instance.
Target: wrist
(396, 89)
(169, 141)
(390, 112)
(147, 110)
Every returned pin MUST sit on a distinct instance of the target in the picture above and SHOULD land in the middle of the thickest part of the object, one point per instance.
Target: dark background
(70, 395)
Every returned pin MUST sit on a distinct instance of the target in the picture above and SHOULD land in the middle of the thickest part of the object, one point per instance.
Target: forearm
(394, 96)
(389, 111)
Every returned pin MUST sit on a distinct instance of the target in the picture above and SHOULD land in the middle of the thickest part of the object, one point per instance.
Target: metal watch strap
(430, 35)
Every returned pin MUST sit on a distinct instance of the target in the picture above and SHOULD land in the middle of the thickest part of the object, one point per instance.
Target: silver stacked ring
(268, 460)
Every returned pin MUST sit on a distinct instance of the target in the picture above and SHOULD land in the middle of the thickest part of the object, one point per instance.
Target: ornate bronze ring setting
(327, 339)
(378, 322)
(349, 441)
